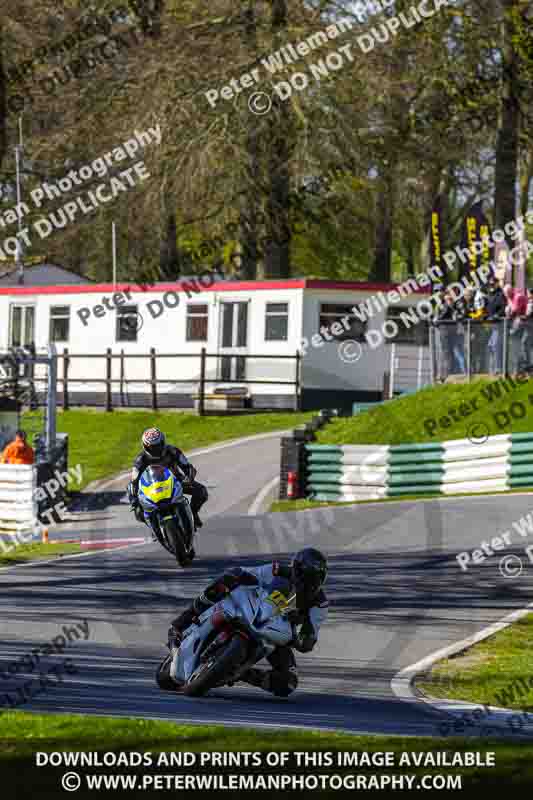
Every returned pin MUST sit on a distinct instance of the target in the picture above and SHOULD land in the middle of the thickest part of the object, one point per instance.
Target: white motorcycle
(229, 638)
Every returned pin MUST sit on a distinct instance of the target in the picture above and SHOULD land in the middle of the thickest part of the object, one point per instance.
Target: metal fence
(164, 374)
(481, 347)
(409, 369)
(206, 382)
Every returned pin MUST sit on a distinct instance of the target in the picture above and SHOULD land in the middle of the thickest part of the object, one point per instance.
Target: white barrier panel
(24, 495)
(368, 456)
(18, 507)
(365, 449)
(476, 462)
(353, 472)
(355, 493)
(486, 450)
(17, 473)
(456, 473)
(493, 485)
(370, 460)
(364, 475)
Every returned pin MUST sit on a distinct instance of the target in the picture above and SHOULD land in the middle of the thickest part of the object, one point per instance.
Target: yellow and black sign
(435, 237)
(27, 262)
(475, 240)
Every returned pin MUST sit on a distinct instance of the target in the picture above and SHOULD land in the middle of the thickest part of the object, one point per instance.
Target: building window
(197, 317)
(59, 323)
(128, 324)
(22, 326)
(340, 323)
(409, 332)
(277, 322)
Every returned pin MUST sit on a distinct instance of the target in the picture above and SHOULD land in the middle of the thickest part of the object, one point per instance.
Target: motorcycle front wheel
(175, 538)
(162, 675)
(220, 666)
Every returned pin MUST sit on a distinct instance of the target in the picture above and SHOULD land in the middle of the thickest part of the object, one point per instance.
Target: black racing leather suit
(282, 680)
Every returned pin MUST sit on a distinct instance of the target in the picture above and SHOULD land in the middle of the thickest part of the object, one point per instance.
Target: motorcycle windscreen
(159, 487)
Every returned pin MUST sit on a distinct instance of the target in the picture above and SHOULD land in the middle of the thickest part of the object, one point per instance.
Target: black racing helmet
(309, 570)
(153, 443)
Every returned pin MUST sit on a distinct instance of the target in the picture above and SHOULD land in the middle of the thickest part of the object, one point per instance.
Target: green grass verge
(25, 734)
(401, 421)
(490, 672)
(32, 552)
(105, 443)
(25, 731)
(304, 504)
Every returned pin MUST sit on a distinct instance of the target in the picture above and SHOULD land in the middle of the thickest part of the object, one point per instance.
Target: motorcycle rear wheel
(220, 666)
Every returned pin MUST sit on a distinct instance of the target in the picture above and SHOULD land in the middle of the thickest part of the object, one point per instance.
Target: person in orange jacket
(18, 451)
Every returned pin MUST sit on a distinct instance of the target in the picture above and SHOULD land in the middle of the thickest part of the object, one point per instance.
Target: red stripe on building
(225, 286)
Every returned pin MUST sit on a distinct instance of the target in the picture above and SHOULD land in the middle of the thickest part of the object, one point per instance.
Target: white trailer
(139, 337)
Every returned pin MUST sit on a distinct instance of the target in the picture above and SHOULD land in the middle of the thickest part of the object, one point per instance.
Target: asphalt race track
(396, 591)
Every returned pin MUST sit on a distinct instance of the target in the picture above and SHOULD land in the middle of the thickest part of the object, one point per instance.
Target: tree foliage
(337, 180)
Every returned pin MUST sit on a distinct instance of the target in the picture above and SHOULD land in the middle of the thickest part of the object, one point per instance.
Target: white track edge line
(39, 562)
(260, 497)
(402, 683)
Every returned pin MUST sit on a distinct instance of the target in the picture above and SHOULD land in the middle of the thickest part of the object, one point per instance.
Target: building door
(234, 341)
(22, 326)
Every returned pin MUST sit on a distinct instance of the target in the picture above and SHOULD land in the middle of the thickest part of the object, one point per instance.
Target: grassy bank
(105, 443)
(24, 735)
(494, 672)
(32, 552)
(455, 408)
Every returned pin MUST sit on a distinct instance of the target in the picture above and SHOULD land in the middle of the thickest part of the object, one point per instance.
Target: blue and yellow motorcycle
(167, 512)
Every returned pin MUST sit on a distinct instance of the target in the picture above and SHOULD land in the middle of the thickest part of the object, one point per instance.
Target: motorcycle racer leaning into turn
(307, 573)
(157, 451)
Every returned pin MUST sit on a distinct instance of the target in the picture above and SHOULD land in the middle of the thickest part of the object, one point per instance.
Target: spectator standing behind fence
(529, 311)
(516, 312)
(439, 335)
(468, 302)
(528, 334)
(480, 333)
(496, 304)
(18, 451)
(466, 309)
(457, 331)
(442, 321)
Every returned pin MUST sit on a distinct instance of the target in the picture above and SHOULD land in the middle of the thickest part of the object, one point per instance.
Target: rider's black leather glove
(294, 618)
(306, 639)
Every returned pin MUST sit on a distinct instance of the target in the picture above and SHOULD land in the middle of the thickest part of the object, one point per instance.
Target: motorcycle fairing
(258, 607)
